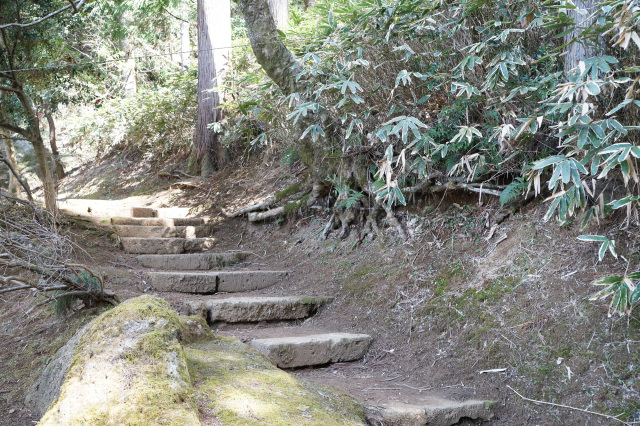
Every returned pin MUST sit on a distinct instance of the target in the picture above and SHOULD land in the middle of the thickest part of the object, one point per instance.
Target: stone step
(135, 231)
(159, 221)
(317, 349)
(196, 261)
(254, 309)
(165, 212)
(214, 282)
(166, 245)
(438, 412)
(93, 208)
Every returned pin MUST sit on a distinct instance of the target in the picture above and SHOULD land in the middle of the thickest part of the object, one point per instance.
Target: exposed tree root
(393, 221)
(329, 226)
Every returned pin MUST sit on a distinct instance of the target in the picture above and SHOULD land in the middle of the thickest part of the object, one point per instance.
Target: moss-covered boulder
(129, 369)
(142, 364)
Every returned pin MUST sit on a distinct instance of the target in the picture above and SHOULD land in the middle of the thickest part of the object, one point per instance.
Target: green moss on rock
(129, 369)
(237, 385)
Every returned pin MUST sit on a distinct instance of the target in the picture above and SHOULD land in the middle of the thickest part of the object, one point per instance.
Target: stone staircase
(175, 249)
(178, 262)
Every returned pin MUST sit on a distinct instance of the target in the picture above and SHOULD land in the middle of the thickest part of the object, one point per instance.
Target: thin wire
(135, 58)
(77, 64)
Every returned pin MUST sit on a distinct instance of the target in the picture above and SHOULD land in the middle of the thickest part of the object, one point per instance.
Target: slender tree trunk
(10, 155)
(579, 50)
(280, 12)
(214, 42)
(49, 181)
(185, 39)
(52, 141)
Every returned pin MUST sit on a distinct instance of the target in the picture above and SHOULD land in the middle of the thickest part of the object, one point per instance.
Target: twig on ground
(535, 401)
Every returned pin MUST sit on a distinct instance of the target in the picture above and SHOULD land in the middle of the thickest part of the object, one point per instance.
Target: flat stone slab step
(163, 212)
(215, 282)
(166, 245)
(195, 261)
(439, 412)
(94, 208)
(317, 349)
(255, 309)
(160, 221)
(136, 231)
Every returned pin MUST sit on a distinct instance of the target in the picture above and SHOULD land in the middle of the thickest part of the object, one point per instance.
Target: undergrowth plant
(158, 120)
(476, 95)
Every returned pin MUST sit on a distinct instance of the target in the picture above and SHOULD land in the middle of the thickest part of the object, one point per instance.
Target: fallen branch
(258, 217)
(479, 189)
(18, 178)
(186, 185)
(278, 211)
(535, 401)
(328, 226)
(260, 206)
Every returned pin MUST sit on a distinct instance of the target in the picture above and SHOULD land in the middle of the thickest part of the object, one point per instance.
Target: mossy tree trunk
(283, 68)
(214, 41)
(32, 133)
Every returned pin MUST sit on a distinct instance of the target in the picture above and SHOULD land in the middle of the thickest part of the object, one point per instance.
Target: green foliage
(85, 282)
(474, 91)
(157, 120)
(512, 191)
(348, 197)
(605, 244)
(623, 291)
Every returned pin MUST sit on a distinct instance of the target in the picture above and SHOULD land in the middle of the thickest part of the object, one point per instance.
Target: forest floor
(472, 305)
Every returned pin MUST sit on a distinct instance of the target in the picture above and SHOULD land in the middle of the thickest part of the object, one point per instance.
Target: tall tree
(31, 31)
(214, 50)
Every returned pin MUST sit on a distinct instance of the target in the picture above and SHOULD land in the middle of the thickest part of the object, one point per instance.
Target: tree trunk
(579, 50)
(52, 141)
(271, 53)
(283, 68)
(49, 182)
(214, 42)
(280, 12)
(10, 155)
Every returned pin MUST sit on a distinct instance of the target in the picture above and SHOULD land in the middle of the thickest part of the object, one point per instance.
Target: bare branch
(75, 7)
(8, 89)
(22, 182)
(15, 129)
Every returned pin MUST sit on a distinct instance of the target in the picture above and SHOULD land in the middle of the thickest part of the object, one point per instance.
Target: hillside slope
(471, 305)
